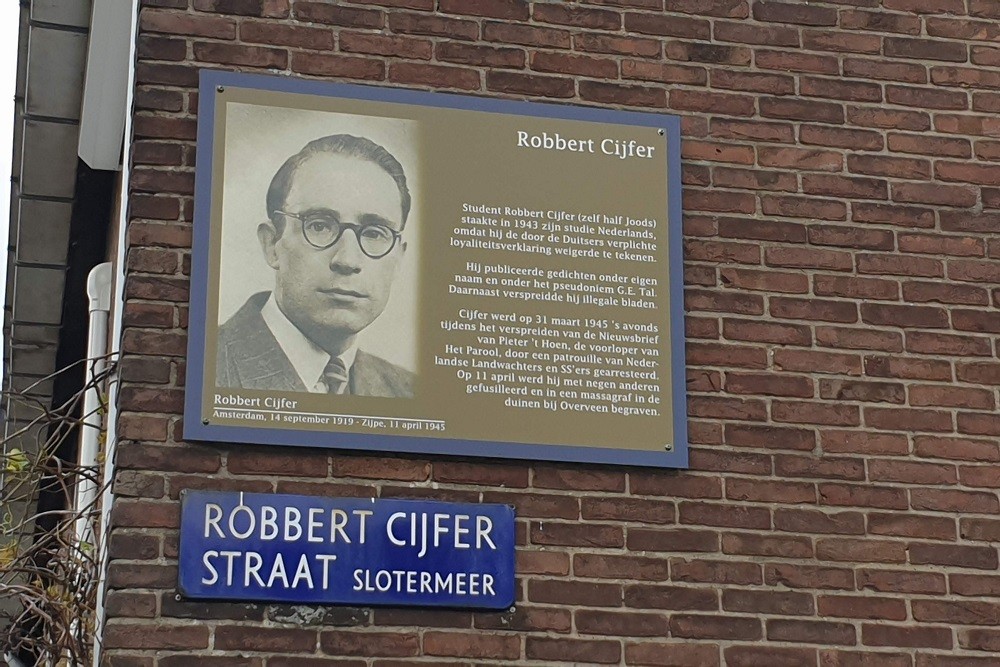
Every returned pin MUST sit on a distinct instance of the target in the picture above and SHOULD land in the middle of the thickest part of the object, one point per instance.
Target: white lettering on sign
(416, 581)
(442, 525)
(251, 567)
(243, 523)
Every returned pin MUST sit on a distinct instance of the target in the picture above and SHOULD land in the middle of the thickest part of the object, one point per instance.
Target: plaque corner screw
(659, 131)
(205, 422)
(668, 447)
(220, 89)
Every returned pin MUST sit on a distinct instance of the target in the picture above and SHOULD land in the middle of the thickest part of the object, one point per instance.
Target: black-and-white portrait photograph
(318, 274)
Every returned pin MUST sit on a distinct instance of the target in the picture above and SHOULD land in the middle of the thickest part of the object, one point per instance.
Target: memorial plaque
(391, 270)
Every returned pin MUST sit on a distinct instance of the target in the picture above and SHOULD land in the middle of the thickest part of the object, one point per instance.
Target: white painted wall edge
(117, 308)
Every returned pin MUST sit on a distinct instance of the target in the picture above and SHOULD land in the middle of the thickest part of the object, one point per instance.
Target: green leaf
(15, 461)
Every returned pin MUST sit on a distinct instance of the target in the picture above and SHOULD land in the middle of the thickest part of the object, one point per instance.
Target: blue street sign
(356, 551)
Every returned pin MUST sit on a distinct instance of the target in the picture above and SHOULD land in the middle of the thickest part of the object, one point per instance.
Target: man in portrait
(336, 214)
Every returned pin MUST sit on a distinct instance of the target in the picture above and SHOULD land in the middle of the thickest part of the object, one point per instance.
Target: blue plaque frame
(675, 454)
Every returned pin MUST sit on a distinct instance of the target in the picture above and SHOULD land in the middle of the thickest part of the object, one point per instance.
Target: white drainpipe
(99, 294)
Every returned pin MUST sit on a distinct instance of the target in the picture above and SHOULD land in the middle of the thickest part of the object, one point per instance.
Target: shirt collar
(307, 358)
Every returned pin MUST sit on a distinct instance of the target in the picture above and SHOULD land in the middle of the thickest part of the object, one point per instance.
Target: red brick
(771, 437)
(268, 8)
(775, 547)
(435, 75)
(721, 8)
(345, 643)
(728, 128)
(837, 41)
(859, 339)
(587, 594)
(770, 492)
(528, 84)
(673, 540)
(806, 361)
(872, 392)
(895, 119)
(768, 602)
(808, 258)
(769, 385)
(744, 33)
(844, 186)
(955, 397)
(160, 636)
(850, 495)
(811, 632)
(861, 550)
(549, 649)
(901, 581)
(620, 567)
(772, 656)
(611, 93)
(511, 33)
(981, 640)
(321, 64)
(826, 468)
(565, 63)
(926, 49)
(517, 10)
(627, 509)
(435, 26)
(662, 72)
(849, 90)
(620, 624)
(676, 654)
(722, 103)
(668, 26)
(623, 46)
(912, 369)
(580, 17)
(962, 28)
(804, 110)
(964, 449)
(808, 576)
(953, 500)
(466, 645)
(858, 606)
(566, 534)
(900, 265)
(927, 6)
(715, 627)
(855, 287)
(708, 514)
(402, 47)
(923, 636)
(802, 412)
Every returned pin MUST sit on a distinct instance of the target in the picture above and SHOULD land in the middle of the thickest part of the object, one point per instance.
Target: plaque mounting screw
(659, 132)
(512, 610)
(221, 89)
(668, 447)
(177, 597)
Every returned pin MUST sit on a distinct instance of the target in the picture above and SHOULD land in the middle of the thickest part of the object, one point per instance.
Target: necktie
(335, 375)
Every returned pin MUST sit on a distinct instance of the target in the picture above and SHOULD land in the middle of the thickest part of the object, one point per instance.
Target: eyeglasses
(322, 229)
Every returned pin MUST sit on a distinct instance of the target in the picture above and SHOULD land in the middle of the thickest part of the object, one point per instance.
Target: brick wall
(842, 210)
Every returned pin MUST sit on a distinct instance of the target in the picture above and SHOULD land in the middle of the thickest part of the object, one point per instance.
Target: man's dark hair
(339, 144)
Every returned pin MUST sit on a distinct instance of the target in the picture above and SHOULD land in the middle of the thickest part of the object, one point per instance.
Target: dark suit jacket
(249, 357)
